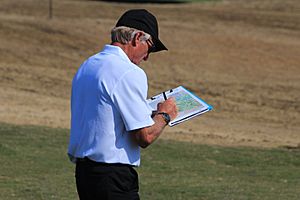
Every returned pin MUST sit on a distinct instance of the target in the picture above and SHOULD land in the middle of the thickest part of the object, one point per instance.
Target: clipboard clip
(165, 95)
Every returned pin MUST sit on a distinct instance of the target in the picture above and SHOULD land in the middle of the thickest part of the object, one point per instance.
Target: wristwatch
(166, 117)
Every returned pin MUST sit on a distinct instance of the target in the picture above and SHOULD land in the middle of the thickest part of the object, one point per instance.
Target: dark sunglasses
(151, 46)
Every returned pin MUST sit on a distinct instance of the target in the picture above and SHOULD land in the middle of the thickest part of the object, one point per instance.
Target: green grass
(34, 165)
(173, 170)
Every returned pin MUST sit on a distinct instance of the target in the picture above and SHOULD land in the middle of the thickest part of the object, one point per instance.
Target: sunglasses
(151, 46)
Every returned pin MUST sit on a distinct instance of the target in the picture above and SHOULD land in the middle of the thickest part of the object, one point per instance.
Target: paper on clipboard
(189, 105)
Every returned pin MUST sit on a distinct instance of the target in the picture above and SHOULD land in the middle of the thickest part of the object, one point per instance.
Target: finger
(158, 105)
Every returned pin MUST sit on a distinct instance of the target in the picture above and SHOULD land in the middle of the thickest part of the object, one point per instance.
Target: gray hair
(123, 34)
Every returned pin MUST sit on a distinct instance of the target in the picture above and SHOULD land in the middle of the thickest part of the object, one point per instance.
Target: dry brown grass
(241, 57)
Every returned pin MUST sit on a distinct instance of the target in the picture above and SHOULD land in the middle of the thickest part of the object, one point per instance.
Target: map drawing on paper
(186, 103)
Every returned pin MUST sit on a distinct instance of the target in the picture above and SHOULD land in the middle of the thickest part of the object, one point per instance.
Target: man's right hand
(168, 106)
(147, 135)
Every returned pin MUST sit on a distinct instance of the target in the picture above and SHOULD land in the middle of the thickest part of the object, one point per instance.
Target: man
(110, 118)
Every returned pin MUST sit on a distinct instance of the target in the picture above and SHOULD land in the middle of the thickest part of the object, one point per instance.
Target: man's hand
(147, 135)
(168, 106)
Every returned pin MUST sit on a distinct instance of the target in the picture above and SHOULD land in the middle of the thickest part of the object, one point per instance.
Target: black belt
(87, 160)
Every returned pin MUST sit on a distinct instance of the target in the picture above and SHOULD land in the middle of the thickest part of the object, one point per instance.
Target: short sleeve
(129, 97)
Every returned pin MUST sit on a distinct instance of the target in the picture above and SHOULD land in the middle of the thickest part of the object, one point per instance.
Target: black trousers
(101, 181)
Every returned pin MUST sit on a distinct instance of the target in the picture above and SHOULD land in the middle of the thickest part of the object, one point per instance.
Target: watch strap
(166, 117)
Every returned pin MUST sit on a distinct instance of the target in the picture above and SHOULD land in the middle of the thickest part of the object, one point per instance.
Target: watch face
(166, 117)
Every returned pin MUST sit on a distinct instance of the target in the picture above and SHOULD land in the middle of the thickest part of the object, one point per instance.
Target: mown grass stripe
(34, 165)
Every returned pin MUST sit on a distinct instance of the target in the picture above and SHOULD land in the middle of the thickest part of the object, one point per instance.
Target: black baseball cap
(142, 20)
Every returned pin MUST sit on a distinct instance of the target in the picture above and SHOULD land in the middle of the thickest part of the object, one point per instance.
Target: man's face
(141, 51)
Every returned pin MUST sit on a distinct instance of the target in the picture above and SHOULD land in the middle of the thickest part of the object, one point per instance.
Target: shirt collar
(112, 49)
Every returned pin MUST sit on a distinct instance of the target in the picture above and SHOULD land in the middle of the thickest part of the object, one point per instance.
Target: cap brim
(159, 46)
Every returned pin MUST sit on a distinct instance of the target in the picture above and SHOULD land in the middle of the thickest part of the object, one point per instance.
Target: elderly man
(110, 117)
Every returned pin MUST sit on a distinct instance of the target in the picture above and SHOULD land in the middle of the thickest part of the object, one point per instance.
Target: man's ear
(136, 38)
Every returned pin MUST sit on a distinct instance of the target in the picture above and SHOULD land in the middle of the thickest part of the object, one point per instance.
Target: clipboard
(189, 105)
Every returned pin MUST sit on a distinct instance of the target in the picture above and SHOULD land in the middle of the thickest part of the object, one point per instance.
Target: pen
(165, 96)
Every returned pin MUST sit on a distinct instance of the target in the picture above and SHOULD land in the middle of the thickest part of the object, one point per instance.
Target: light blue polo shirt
(108, 100)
